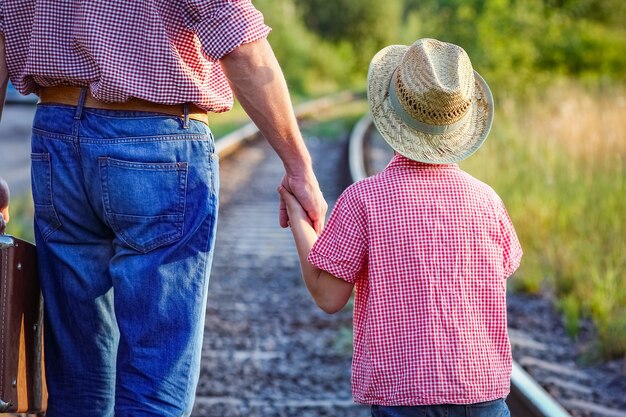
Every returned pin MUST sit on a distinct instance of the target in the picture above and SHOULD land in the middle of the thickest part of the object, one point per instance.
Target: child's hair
(4, 194)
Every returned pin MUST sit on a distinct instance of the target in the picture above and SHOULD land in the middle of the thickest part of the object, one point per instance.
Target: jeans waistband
(82, 98)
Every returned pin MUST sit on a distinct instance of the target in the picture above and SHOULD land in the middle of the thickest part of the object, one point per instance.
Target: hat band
(416, 124)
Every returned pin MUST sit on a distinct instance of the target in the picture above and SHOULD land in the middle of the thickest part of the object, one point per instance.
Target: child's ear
(5, 214)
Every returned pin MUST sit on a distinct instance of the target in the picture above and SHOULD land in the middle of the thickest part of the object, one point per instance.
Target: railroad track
(268, 350)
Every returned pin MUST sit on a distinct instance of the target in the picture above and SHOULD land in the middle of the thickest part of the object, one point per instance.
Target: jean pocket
(46, 217)
(144, 202)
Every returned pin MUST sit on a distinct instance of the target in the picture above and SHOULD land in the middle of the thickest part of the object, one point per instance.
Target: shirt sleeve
(223, 25)
(512, 250)
(1, 17)
(341, 249)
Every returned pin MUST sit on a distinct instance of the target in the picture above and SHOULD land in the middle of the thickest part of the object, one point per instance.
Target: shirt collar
(399, 162)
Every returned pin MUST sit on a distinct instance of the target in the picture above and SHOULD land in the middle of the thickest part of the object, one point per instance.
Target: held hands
(306, 202)
(296, 214)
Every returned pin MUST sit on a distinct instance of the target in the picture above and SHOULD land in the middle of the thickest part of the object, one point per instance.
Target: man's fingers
(283, 215)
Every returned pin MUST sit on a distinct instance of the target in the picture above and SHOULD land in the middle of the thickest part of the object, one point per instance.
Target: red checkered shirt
(429, 249)
(164, 51)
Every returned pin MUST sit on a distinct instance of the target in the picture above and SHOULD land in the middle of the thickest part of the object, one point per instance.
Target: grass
(558, 163)
(21, 224)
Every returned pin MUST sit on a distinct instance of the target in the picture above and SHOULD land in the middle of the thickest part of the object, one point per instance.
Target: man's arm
(258, 83)
(329, 292)
(4, 74)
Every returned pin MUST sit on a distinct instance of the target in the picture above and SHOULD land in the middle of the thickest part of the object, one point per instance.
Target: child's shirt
(429, 249)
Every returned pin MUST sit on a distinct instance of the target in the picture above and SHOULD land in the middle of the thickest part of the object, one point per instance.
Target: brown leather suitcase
(22, 378)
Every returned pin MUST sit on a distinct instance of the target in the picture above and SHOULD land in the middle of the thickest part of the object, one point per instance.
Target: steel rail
(527, 397)
(231, 142)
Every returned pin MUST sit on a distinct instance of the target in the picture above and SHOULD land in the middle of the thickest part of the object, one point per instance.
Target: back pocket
(144, 202)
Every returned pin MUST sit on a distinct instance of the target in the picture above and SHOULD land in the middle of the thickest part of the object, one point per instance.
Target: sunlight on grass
(558, 163)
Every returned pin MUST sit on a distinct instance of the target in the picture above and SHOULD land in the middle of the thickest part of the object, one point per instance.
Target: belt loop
(81, 103)
(186, 115)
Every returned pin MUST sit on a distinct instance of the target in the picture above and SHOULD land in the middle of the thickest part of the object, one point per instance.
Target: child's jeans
(495, 408)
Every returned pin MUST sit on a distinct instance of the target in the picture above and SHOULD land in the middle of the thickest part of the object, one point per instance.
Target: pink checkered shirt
(429, 249)
(164, 51)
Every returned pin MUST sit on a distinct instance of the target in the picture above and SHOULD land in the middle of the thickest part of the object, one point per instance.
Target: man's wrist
(298, 166)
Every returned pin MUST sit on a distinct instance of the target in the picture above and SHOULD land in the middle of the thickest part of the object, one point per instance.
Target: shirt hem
(410, 402)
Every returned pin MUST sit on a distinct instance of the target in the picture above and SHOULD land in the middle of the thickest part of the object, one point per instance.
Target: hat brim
(416, 145)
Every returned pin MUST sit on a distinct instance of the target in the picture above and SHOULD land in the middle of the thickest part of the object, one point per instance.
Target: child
(426, 246)
(4, 204)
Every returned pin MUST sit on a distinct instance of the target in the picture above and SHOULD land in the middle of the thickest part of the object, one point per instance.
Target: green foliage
(571, 312)
(520, 45)
(365, 25)
(609, 12)
(22, 213)
(312, 66)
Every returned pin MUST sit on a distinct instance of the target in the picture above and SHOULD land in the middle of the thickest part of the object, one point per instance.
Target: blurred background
(556, 153)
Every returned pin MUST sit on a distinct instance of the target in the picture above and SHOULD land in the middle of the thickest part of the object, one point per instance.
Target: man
(125, 181)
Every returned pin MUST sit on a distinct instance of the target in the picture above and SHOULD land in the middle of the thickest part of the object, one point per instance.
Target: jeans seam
(210, 236)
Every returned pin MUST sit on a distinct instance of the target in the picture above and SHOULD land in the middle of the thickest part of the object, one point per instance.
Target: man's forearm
(259, 85)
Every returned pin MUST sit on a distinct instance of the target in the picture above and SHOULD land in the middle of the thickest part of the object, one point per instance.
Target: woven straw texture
(436, 85)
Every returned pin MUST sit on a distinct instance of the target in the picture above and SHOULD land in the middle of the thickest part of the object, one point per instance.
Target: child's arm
(329, 292)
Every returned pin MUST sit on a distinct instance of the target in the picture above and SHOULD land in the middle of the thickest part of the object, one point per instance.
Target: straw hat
(427, 101)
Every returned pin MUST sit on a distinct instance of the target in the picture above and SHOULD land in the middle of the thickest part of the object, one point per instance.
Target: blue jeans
(495, 408)
(125, 222)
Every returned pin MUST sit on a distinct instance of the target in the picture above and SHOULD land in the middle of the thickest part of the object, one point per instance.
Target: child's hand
(296, 212)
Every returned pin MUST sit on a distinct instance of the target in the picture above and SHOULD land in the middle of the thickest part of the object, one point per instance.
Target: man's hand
(294, 209)
(309, 195)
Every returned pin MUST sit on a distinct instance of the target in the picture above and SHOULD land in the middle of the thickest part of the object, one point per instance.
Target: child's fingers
(294, 208)
(283, 216)
(288, 198)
